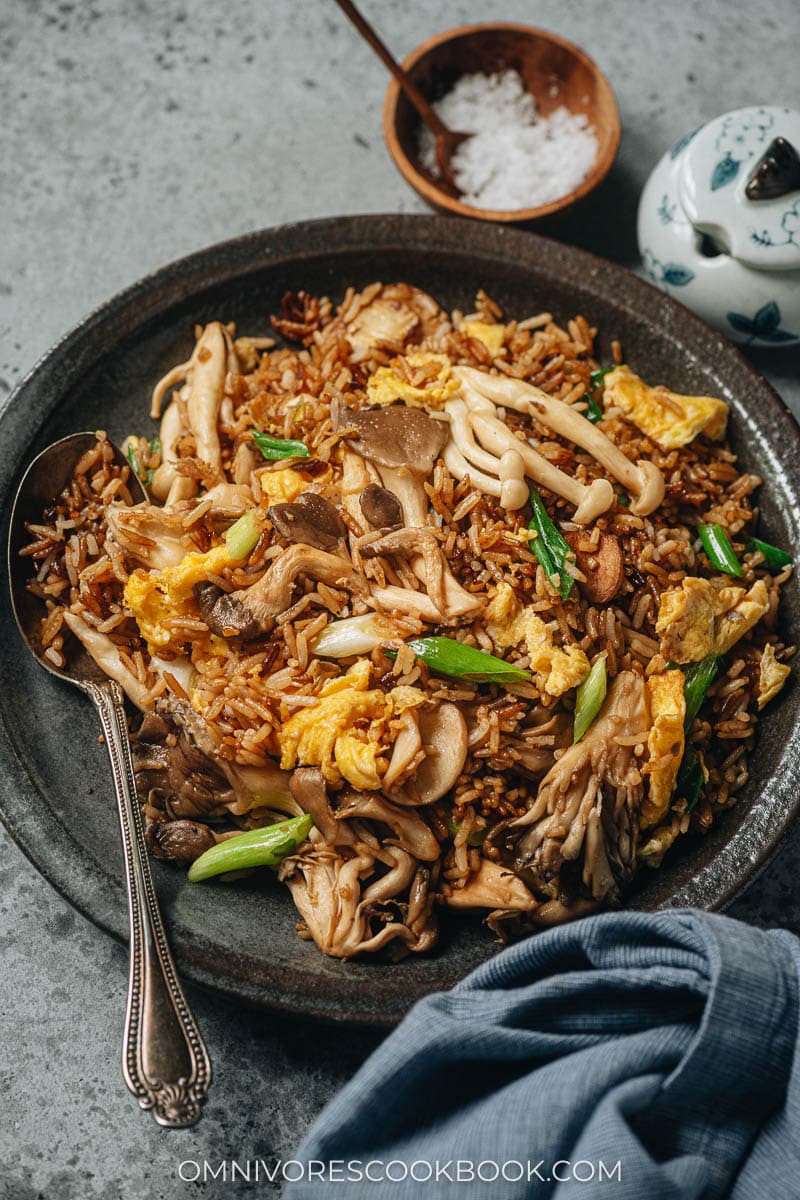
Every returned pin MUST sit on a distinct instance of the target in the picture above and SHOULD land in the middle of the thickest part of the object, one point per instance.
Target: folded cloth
(629, 1055)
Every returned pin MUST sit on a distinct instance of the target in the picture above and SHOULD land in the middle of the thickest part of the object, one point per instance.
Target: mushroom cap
(380, 507)
(311, 519)
(396, 436)
(444, 736)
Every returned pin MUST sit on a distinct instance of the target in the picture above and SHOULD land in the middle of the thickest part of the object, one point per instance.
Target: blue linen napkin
(660, 1046)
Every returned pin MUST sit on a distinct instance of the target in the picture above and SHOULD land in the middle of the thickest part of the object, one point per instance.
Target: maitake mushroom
(580, 832)
(358, 892)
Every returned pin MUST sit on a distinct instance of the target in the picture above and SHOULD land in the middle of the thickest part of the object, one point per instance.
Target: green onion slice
(597, 377)
(241, 538)
(697, 680)
(589, 697)
(775, 559)
(717, 546)
(550, 547)
(276, 448)
(690, 778)
(594, 412)
(265, 847)
(446, 656)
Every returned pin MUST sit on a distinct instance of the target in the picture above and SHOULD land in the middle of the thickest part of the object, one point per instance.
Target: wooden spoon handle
(428, 114)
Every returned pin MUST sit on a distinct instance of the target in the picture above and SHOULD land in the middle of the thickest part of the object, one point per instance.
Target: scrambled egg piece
(700, 617)
(772, 675)
(345, 733)
(155, 597)
(668, 418)
(492, 336)
(384, 387)
(508, 623)
(666, 738)
(285, 485)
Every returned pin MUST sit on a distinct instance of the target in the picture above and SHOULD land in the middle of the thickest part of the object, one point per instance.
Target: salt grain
(516, 158)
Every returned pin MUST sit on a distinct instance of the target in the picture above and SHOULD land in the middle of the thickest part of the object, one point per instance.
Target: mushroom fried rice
(423, 610)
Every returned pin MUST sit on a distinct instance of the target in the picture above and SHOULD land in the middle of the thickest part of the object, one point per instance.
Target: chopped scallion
(717, 546)
(277, 448)
(550, 547)
(446, 656)
(241, 538)
(775, 559)
(697, 680)
(589, 697)
(690, 778)
(265, 847)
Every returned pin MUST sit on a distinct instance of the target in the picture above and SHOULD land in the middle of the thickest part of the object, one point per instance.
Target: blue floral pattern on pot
(668, 274)
(731, 258)
(790, 224)
(763, 326)
(739, 139)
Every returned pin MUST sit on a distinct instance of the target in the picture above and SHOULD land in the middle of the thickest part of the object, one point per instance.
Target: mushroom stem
(590, 500)
(168, 486)
(643, 479)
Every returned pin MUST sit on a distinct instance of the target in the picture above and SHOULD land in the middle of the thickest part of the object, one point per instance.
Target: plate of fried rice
(462, 588)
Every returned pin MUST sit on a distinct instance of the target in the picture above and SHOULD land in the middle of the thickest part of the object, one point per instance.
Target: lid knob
(776, 172)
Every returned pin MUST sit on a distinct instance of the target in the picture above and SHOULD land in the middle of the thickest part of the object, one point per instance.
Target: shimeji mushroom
(643, 479)
(511, 459)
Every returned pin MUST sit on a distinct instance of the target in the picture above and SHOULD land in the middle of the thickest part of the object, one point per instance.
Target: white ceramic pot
(719, 224)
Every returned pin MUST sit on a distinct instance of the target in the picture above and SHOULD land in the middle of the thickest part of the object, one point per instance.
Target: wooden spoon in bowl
(447, 140)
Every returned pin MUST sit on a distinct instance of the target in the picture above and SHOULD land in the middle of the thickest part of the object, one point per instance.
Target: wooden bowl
(555, 72)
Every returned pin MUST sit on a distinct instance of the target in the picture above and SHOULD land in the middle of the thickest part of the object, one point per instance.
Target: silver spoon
(164, 1059)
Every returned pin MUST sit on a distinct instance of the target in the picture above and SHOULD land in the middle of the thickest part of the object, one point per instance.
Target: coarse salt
(515, 158)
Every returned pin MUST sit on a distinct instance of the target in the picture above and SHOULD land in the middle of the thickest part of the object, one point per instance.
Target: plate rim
(205, 268)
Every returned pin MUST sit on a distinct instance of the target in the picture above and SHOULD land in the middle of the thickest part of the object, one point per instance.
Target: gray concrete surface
(133, 132)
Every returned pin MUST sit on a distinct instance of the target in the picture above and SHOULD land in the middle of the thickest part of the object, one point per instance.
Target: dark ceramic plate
(56, 797)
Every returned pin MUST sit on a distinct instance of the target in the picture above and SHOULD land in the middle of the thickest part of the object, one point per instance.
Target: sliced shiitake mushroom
(602, 566)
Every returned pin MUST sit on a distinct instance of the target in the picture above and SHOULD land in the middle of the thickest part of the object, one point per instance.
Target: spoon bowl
(164, 1062)
(554, 71)
(49, 472)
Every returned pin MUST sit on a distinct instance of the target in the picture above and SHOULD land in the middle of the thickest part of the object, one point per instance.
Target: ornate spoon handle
(164, 1061)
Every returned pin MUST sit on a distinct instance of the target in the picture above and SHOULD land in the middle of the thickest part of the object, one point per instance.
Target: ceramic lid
(740, 184)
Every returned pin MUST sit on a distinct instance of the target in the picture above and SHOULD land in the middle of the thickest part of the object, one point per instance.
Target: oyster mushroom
(403, 444)
(201, 400)
(251, 611)
(106, 655)
(168, 485)
(444, 739)
(311, 519)
(380, 507)
(643, 480)
(150, 536)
